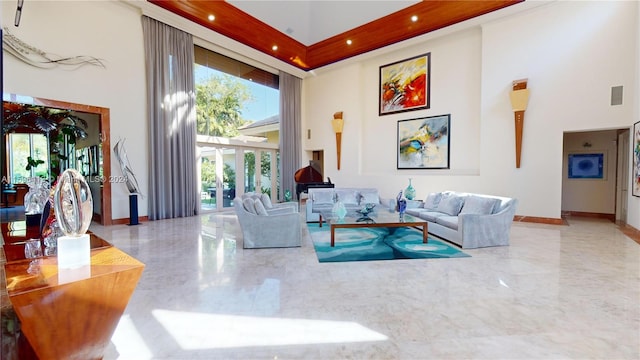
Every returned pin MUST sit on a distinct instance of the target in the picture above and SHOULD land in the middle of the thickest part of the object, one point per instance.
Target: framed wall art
(423, 143)
(405, 85)
(586, 166)
(635, 186)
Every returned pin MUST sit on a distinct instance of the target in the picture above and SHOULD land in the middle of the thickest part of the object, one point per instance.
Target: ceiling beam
(244, 28)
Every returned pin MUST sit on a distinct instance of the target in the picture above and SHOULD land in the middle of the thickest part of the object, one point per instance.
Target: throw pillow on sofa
(432, 201)
(249, 205)
(369, 197)
(323, 197)
(266, 201)
(450, 204)
(260, 210)
(347, 197)
(479, 205)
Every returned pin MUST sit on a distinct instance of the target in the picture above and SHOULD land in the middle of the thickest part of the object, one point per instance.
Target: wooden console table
(71, 314)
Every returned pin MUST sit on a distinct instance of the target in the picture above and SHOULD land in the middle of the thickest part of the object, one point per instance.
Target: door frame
(240, 147)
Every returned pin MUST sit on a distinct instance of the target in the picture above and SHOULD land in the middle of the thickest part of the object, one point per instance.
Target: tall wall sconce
(18, 13)
(338, 125)
(519, 99)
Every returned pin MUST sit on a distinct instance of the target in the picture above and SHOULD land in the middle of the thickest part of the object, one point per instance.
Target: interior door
(622, 183)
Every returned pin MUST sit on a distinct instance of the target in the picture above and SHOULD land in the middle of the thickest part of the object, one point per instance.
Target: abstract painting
(635, 186)
(423, 143)
(586, 166)
(405, 85)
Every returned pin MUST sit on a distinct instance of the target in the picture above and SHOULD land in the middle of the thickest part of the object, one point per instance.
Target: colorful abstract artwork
(635, 187)
(423, 143)
(405, 85)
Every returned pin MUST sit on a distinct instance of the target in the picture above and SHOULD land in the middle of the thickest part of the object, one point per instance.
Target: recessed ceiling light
(349, 42)
(414, 18)
(212, 17)
(274, 47)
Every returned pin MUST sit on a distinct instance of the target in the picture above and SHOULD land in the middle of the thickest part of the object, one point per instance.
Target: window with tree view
(237, 114)
(231, 94)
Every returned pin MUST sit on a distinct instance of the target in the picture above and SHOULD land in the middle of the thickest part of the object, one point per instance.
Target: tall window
(231, 94)
(239, 102)
(29, 157)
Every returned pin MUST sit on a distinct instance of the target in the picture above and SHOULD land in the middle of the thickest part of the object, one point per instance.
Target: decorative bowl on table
(367, 209)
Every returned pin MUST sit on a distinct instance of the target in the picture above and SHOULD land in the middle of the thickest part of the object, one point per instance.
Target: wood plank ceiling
(242, 27)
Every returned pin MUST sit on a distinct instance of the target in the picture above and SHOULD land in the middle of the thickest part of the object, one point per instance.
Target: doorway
(227, 171)
(596, 174)
(101, 190)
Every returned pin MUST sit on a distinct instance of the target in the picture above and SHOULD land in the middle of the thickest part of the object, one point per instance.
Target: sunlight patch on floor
(194, 331)
(128, 342)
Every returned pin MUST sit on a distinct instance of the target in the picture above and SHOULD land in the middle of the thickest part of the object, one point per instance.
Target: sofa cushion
(347, 196)
(432, 201)
(266, 201)
(322, 208)
(259, 206)
(450, 204)
(479, 205)
(322, 197)
(369, 196)
(431, 215)
(249, 205)
(415, 211)
(448, 221)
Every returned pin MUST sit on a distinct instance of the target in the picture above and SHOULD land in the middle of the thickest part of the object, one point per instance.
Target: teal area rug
(363, 244)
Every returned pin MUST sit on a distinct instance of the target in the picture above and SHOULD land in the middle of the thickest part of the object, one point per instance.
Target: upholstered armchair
(263, 229)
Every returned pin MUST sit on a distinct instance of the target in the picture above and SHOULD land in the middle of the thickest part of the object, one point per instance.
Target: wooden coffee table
(378, 218)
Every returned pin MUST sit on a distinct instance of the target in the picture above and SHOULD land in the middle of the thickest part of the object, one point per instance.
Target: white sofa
(323, 199)
(468, 220)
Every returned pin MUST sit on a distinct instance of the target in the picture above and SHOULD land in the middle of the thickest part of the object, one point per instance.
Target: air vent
(616, 95)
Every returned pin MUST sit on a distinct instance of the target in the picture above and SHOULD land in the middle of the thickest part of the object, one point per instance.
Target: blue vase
(402, 207)
(410, 192)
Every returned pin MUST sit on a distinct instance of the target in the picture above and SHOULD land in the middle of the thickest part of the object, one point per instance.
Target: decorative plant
(33, 163)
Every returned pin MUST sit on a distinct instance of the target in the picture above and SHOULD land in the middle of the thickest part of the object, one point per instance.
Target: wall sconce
(338, 125)
(16, 22)
(519, 99)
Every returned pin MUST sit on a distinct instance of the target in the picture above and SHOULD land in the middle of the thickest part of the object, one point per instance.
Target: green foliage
(265, 166)
(228, 177)
(208, 176)
(219, 104)
(33, 163)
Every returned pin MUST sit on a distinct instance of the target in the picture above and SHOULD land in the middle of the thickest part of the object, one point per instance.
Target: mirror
(54, 136)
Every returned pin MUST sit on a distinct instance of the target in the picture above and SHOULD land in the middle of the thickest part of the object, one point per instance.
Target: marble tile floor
(557, 292)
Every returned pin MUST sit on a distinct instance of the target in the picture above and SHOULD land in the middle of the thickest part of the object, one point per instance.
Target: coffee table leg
(424, 233)
(333, 236)
(320, 220)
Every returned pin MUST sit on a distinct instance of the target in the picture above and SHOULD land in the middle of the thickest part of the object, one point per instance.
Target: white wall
(571, 52)
(369, 141)
(107, 30)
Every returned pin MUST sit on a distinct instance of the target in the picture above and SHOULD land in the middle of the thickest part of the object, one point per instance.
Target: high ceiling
(312, 34)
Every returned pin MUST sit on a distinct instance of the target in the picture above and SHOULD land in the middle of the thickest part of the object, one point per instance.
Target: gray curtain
(290, 119)
(172, 121)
